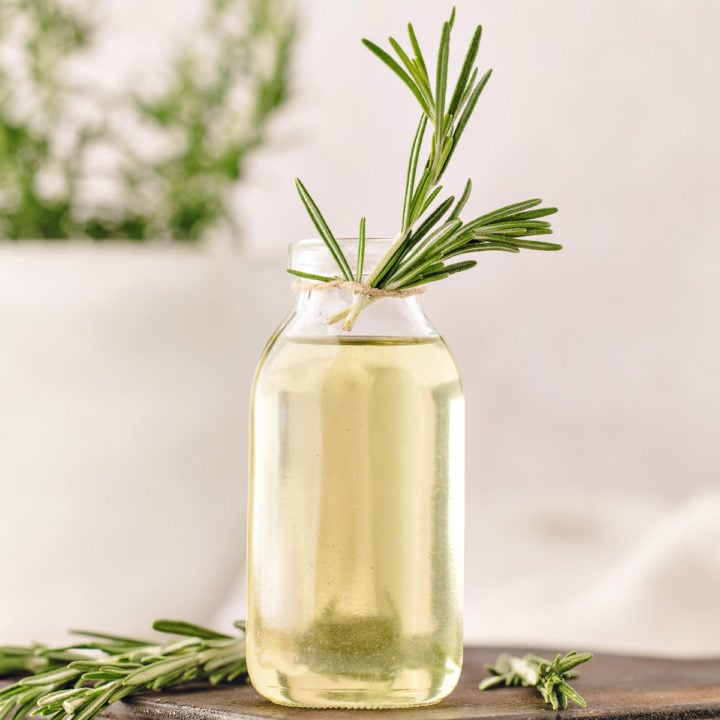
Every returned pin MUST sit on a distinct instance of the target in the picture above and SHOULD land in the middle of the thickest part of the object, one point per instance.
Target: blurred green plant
(143, 163)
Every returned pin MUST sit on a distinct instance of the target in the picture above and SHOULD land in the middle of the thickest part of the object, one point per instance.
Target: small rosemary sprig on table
(68, 683)
(430, 236)
(548, 677)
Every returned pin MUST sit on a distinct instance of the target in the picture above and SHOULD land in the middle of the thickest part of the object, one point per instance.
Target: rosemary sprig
(548, 677)
(430, 235)
(78, 686)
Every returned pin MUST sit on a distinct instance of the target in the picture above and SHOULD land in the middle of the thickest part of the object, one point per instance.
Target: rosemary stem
(360, 302)
(338, 316)
(379, 267)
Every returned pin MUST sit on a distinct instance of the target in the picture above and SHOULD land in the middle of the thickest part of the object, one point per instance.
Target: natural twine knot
(358, 288)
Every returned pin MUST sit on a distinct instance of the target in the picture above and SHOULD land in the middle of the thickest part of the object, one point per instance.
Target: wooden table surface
(614, 687)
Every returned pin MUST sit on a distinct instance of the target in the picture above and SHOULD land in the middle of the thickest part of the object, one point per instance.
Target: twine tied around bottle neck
(358, 288)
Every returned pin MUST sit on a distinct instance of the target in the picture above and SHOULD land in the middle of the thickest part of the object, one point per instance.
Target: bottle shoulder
(316, 362)
(321, 314)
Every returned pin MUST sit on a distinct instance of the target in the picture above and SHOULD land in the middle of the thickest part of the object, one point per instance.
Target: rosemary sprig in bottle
(68, 683)
(432, 234)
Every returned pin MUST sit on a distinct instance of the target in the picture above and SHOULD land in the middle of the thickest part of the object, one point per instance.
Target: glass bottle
(356, 503)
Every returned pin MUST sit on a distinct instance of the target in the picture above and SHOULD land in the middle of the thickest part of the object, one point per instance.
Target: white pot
(124, 379)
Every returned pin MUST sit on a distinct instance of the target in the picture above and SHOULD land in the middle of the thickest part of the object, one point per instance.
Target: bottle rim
(311, 255)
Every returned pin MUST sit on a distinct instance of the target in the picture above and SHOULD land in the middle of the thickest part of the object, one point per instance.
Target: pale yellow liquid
(356, 523)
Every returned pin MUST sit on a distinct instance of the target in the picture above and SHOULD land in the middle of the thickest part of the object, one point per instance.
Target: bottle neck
(320, 313)
(321, 310)
(312, 256)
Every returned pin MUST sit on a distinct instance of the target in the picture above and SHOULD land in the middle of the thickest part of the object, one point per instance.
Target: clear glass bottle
(356, 503)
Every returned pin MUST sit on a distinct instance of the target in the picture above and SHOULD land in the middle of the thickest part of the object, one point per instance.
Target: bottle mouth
(311, 255)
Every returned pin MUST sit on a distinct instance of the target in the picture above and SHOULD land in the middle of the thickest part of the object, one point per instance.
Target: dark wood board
(614, 687)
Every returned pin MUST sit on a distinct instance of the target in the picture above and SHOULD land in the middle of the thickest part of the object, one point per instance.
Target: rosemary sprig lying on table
(431, 235)
(67, 683)
(548, 677)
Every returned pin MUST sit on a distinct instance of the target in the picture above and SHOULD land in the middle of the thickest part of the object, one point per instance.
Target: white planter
(124, 379)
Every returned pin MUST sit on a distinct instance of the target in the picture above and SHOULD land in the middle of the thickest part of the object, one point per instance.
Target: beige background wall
(591, 374)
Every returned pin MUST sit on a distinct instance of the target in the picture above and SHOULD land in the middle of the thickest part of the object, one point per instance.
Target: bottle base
(348, 699)
(359, 669)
